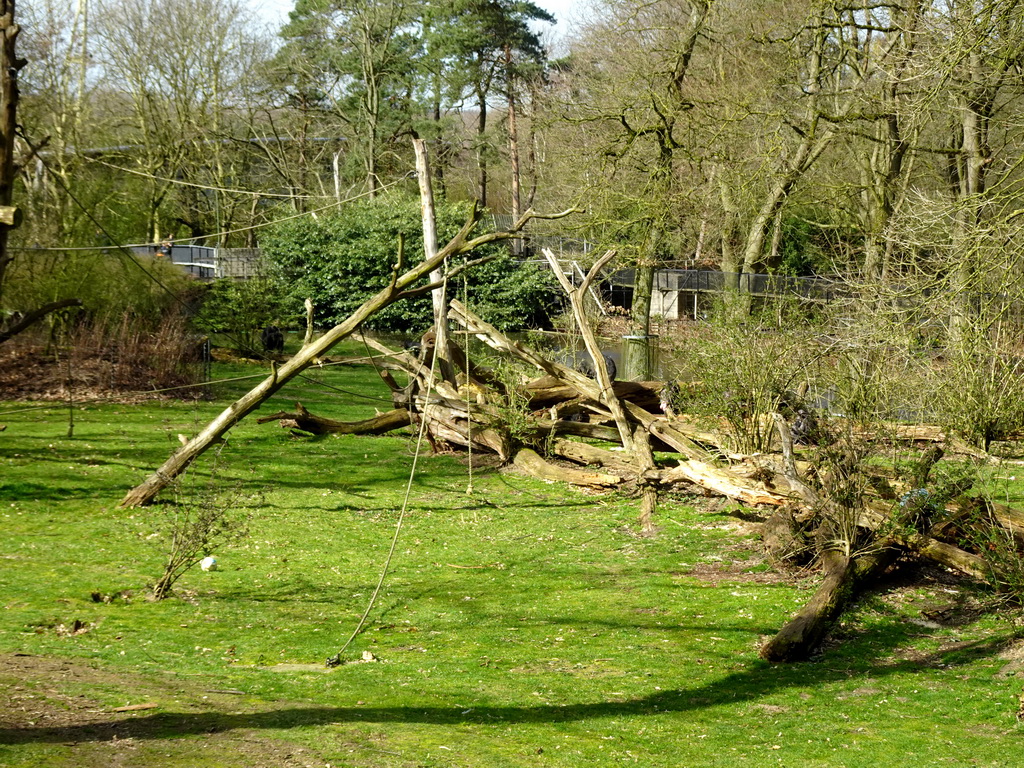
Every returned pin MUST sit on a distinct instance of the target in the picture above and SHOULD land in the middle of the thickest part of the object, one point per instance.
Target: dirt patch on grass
(44, 709)
(752, 570)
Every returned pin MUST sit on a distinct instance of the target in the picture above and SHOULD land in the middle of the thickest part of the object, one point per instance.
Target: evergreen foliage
(339, 261)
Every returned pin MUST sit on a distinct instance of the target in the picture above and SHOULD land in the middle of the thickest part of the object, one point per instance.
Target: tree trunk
(481, 152)
(804, 633)
(513, 143)
(304, 421)
(530, 462)
(438, 296)
(10, 65)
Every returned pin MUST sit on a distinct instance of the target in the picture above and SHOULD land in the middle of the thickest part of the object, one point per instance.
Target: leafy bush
(339, 261)
(747, 369)
(979, 393)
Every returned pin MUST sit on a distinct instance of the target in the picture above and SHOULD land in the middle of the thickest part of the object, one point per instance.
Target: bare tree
(174, 84)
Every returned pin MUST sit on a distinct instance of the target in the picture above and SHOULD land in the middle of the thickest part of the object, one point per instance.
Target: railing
(242, 263)
(713, 281)
(210, 263)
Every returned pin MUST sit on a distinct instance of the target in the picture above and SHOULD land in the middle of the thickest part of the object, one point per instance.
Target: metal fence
(713, 281)
(209, 263)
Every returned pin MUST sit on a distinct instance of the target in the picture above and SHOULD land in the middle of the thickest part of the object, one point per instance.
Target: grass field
(521, 624)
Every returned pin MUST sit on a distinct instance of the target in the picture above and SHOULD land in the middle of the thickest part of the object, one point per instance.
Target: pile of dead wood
(825, 504)
(822, 503)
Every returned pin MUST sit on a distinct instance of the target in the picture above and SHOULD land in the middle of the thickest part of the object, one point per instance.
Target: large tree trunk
(438, 296)
(530, 462)
(804, 633)
(10, 65)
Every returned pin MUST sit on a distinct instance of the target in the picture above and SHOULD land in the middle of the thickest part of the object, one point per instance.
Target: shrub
(748, 368)
(201, 518)
(339, 261)
(108, 285)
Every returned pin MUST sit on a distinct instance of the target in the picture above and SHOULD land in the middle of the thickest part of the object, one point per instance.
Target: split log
(671, 436)
(447, 424)
(720, 481)
(543, 428)
(1011, 519)
(548, 390)
(530, 462)
(946, 554)
(304, 421)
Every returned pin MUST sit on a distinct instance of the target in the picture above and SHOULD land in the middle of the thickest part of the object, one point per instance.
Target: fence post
(639, 357)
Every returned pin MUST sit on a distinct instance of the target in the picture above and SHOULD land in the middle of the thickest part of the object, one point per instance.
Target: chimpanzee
(808, 430)
(586, 366)
(272, 339)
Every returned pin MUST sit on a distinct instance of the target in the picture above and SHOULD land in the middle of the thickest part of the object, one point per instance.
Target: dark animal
(671, 396)
(586, 367)
(807, 429)
(272, 339)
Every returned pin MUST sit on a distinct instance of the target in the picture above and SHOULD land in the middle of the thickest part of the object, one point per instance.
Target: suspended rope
(336, 659)
(469, 416)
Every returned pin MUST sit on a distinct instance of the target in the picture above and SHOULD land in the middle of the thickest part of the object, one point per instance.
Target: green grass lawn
(521, 624)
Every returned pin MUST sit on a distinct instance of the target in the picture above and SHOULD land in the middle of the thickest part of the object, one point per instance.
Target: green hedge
(339, 260)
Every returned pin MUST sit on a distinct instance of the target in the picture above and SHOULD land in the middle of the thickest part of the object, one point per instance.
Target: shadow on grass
(758, 680)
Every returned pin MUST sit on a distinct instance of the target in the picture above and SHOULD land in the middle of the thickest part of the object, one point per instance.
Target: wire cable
(335, 660)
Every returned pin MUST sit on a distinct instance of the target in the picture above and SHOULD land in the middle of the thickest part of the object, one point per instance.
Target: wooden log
(877, 513)
(720, 481)
(491, 336)
(590, 454)
(444, 425)
(946, 554)
(784, 537)
(547, 391)
(802, 635)
(1011, 519)
(530, 462)
(543, 428)
(304, 421)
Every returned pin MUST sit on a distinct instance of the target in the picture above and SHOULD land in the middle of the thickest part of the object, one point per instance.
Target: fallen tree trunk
(720, 481)
(802, 635)
(530, 462)
(543, 428)
(548, 390)
(304, 421)
(584, 453)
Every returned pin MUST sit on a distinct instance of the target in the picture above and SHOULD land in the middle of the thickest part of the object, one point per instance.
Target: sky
(275, 12)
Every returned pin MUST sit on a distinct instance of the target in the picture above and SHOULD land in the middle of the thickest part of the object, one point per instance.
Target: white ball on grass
(208, 563)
